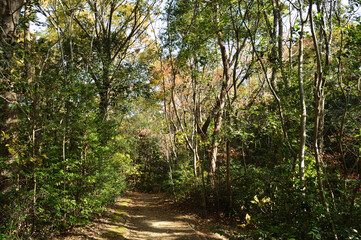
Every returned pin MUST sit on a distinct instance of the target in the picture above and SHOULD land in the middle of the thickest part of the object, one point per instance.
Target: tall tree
(9, 18)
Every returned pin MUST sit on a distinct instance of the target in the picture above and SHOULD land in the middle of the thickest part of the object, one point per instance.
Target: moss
(115, 233)
(124, 202)
(119, 214)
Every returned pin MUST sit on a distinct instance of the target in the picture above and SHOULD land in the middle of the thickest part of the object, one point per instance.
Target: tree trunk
(303, 119)
(35, 117)
(221, 103)
(228, 178)
(319, 109)
(9, 17)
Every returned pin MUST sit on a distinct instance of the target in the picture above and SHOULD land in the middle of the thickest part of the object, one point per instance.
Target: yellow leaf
(248, 218)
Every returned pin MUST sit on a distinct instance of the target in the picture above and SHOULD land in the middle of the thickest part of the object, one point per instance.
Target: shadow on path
(151, 218)
(141, 216)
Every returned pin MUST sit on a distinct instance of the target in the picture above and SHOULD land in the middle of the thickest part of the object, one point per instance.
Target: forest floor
(139, 216)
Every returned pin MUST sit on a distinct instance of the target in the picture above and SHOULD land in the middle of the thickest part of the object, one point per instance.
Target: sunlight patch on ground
(166, 224)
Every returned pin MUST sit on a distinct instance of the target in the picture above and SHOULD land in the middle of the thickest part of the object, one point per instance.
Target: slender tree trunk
(290, 43)
(195, 124)
(35, 117)
(303, 103)
(280, 45)
(169, 144)
(204, 191)
(343, 119)
(195, 158)
(221, 103)
(244, 159)
(168, 158)
(228, 178)
(319, 81)
(319, 104)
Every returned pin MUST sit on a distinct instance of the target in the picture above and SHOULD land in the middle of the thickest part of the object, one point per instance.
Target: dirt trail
(139, 216)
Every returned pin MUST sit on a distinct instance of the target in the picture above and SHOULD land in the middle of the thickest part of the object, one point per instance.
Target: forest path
(138, 216)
